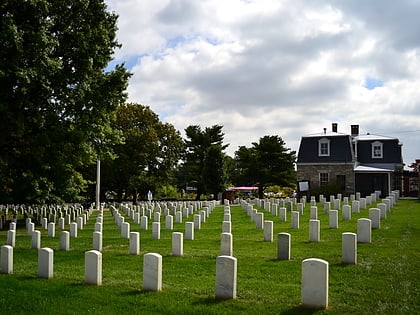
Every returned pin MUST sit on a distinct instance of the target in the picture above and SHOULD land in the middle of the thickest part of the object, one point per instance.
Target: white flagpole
(98, 184)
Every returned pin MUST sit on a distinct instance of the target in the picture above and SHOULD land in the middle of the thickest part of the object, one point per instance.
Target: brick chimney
(354, 130)
(334, 127)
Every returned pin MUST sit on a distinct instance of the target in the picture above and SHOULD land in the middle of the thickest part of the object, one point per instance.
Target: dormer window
(324, 147)
(377, 150)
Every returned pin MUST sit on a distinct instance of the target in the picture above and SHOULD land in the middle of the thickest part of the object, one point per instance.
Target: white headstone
(31, 228)
(97, 241)
(178, 217)
(314, 230)
(315, 283)
(346, 212)
(45, 263)
(73, 229)
(79, 221)
(283, 214)
(226, 277)
(64, 240)
(382, 207)
(283, 246)
(299, 208)
(313, 215)
(169, 222)
(144, 222)
(333, 219)
(51, 229)
(364, 230)
(12, 226)
(349, 248)
(189, 230)
(152, 272)
(327, 206)
(156, 230)
(268, 231)
(93, 267)
(134, 243)
(375, 217)
(36, 239)
(125, 230)
(197, 221)
(226, 244)
(6, 265)
(61, 223)
(11, 238)
(226, 227)
(295, 220)
(177, 244)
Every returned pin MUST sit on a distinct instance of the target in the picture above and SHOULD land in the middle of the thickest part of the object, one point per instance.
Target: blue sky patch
(371, 83)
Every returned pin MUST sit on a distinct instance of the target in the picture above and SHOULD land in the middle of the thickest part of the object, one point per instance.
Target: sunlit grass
(386, 279)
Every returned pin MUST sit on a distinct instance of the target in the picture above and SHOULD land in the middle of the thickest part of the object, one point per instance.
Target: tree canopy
(56, 99)
(203, 161)
(147, 158)
(266, 163)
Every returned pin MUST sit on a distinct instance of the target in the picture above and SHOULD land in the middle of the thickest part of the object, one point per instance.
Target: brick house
(351, 162)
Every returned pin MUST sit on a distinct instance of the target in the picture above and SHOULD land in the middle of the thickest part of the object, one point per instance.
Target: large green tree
(203, 162)
(56, 99)
(266, 163)
(147, 158)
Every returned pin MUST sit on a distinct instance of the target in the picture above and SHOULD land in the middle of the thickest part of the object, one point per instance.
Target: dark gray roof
(340, 148)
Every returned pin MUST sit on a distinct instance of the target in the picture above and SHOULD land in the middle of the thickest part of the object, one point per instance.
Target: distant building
(352, 162)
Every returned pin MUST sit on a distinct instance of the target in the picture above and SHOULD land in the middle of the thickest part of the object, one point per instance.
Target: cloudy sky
(276, 67)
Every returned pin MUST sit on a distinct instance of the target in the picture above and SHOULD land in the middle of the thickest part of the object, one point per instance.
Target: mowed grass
(386, 279)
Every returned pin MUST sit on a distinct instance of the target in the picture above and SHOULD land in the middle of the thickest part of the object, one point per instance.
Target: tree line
(62, 108)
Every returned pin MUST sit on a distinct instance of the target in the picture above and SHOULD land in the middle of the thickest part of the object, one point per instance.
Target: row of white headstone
(226, 264)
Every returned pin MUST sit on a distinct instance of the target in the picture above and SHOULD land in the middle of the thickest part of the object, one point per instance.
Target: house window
(323, 178)
(377, 150)
(324, 147)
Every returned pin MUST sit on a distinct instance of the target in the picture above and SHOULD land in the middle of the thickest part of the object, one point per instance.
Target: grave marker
(93, 267)
(349, 248)
(156, 230)
(283, 246)
(189, 230)
(45, 263)
(295, 220)
(152, 272)
(226, 244)
(64, 240)
(97, 241)
(333, 219)
(375, 217)
(364, 230)
(11, 238)
(177, 244)
(6, 265)
(51, 229)
(268, 231)
(314, 230)
(36, 239)
(315, 283)
(134, 243)
(346, 215)
(226, 227)
(226, 277)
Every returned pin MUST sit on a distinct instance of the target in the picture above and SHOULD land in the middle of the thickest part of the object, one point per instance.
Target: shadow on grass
(299, 309)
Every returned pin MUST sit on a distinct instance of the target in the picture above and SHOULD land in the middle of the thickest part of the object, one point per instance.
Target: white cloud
(268, 67)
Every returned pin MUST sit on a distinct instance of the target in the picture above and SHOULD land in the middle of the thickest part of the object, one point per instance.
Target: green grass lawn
(386, 279)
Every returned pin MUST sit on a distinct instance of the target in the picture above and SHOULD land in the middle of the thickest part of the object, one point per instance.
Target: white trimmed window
(324, 147)
(323, 178)
(377, 150)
